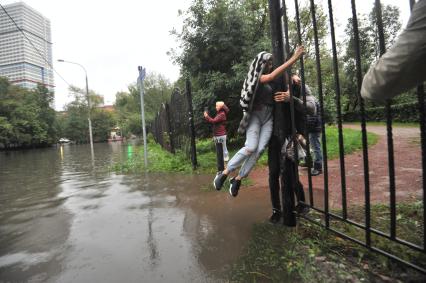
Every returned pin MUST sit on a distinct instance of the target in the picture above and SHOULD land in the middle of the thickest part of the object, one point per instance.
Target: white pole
(141, 78)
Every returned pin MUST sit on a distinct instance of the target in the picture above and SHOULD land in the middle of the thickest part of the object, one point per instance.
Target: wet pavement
(66, 218)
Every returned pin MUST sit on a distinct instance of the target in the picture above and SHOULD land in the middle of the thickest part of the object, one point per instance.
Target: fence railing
(173, 126)
(319, 199)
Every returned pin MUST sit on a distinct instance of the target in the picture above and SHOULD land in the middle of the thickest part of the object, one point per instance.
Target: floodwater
(65, 217)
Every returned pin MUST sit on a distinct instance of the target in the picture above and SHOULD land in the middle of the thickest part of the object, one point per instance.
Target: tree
(218, 40)
(369, 47)
(74, 124)
(391, 26)
(26, 116)
(102, 123)
(308, 40)
(157, 90)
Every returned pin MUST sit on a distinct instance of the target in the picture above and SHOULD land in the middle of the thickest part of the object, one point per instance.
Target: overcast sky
(111, 38)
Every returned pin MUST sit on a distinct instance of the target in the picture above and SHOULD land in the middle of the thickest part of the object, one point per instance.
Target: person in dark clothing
(313, 124)
(219, 126)
(279, 164)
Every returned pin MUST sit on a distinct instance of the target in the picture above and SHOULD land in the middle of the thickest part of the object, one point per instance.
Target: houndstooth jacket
(250, 85)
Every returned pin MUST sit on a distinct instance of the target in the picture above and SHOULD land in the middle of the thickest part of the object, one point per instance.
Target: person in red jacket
(219, 126)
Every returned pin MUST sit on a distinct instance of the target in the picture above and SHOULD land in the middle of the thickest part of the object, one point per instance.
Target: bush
(406, 112)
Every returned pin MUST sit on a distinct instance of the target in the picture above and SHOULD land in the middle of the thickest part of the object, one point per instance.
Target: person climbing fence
(257, 100)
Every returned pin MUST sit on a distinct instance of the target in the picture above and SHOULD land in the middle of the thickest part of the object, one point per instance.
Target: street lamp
(88, 102)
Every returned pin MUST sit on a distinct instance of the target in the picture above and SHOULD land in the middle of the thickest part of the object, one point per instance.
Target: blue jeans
(258, 134)
(315, 143)
(222, 139)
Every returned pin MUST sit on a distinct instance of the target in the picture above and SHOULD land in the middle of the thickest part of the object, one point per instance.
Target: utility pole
(142, 73)
(89, 118)
(88, 104)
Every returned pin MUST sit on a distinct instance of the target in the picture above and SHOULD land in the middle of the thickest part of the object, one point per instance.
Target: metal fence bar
(289, 165)
(328, 216)
(302, 69)
(339, 111)
(422, 110)
(320, 94)
(422, 120)
(170, 128)
(377, 232)
(304, 112)
(380, 251)
(398, 240)
(287, 50)
(377, 250)
(363, 125)
(391, 162)
(191, 123)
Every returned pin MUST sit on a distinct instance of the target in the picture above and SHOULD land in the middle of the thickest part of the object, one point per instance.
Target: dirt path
(408, 171)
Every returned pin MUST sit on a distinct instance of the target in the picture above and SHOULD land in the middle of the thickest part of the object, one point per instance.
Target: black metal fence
(337, 208)
(173, 126)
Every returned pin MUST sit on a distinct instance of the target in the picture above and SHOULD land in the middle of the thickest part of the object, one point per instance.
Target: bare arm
(278, 71)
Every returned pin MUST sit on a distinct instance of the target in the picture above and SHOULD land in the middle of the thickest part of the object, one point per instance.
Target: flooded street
(67, 218)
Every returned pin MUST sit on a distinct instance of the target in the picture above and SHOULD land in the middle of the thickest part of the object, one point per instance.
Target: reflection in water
(153, 251)
(66, 220)
(153, 255)
(129, 151)
(61, 148)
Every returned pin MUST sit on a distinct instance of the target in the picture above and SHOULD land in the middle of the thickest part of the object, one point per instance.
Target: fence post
(170, 129)
(282, 112)
(191, 124)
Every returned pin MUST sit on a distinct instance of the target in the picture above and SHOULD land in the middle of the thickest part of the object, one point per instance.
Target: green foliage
(74, 123)
(26, 116)
(162, 161)
(218, 40)
(157, 90)
(369, 48)
(309, 253)
(391, 25)
(352, 141)
(406, 112)
(159, 160)
(102, 123)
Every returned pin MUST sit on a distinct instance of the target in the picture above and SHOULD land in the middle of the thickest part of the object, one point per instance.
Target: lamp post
(88, 103)
(142, 73)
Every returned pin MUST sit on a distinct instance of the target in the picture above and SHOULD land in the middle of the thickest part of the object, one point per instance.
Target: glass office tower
(20, 62)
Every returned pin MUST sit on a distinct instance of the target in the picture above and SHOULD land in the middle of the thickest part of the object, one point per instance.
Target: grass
(160, 160)
(352, 141)
(394, 124)
(309, 253)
